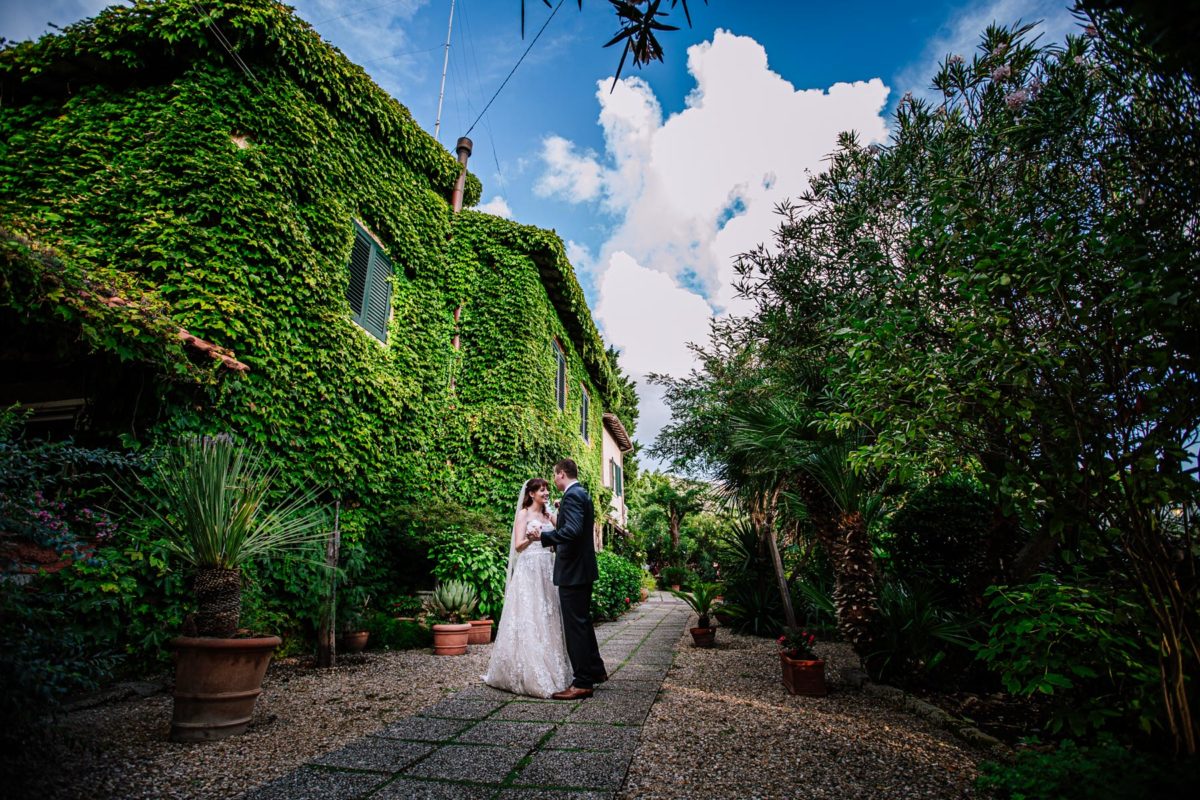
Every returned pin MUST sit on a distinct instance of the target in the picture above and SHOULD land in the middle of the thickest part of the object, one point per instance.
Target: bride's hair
(532, 487)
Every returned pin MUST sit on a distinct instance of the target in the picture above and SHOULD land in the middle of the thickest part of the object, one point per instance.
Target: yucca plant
(211, 497)
(452, 602)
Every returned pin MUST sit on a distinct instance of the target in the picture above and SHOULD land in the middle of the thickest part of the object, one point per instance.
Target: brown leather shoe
(572, 693)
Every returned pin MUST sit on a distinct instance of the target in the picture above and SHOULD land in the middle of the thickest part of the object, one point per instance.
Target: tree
(640, 21)
(672, 498)
(1010, 285)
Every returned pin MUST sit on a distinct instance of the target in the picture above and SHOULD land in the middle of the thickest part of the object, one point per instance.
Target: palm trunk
(219, 599)
(855, 593)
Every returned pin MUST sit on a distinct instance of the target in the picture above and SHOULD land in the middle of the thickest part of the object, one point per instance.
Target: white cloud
(576, 176)
(960, 35)
(692, 191)
(498, 206)
(650, 316)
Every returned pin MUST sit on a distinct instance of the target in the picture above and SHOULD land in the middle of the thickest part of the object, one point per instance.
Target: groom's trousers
(576, 602)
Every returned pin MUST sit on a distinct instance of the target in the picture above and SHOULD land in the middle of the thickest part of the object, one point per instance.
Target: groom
(574, 573)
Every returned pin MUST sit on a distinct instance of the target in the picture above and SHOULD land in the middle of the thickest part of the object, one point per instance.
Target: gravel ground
(725, 727)
(722, 727)
(121, 750)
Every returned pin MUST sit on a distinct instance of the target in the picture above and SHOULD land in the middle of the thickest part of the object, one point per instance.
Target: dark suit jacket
(575, 561)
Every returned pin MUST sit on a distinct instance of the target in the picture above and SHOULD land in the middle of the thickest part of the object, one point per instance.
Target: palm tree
(777, 455)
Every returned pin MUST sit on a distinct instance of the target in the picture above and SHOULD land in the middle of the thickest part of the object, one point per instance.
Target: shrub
(478, 559)
(1078, 644)
(1106, 771)
(939, 538)
(618, 587)
(913, 634)
(390, 633)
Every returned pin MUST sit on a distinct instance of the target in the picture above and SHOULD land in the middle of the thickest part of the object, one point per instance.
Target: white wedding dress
(530, 653)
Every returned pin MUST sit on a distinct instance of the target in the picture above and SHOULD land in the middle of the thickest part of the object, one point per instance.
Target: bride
(530, 654)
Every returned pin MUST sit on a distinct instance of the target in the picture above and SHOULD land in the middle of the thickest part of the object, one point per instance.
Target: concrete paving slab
(537, 712)
(463, 708)
(376, 755)
(308, 783)
(475, 763)
(413, 789)
(553, 794)
(507, 734)
(423, 729)
(571, 736)
(563, 768)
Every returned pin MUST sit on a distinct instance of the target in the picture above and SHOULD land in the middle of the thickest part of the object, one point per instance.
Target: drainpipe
(463, 151)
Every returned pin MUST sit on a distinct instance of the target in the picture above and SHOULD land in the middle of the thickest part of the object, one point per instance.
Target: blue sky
(656, 186)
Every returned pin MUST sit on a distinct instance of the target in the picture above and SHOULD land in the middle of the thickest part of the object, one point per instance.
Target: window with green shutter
(583, 412)
(560, 375)
(370, 287)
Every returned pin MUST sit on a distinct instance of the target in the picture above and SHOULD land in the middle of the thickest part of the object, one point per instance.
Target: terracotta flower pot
(481, 631)
(645, 594)
(704, 637)
(217, 682)
(451, 640)
(354, 641)
(802, 676)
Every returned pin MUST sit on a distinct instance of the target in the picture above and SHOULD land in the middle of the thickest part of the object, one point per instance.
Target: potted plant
(803, 671)
(450, 604)
(481, 630)
(354, 634)
(674, 577)
(701, 599)
(211, 498)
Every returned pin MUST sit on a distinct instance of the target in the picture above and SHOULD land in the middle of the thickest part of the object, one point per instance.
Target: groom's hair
(567, 467)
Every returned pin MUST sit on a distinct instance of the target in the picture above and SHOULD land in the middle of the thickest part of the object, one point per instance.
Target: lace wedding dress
(530, 653)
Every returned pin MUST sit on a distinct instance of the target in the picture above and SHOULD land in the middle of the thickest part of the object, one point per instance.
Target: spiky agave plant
(452, 601)
(701, 599)
(211, 496)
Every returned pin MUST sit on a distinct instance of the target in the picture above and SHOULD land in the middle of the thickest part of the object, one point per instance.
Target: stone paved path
(484, 744)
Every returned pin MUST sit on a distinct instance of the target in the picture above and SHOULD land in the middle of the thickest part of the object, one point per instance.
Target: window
(560, 376)
(583, 412)
(370, 288)
(618, 477)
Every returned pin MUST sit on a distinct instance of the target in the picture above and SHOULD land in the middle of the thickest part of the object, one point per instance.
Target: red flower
(626, 599)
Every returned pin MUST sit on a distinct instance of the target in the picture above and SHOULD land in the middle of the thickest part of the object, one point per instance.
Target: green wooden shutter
(560, 377)
(370, 288)
(360, 267)
(377, 304)
(583, 412)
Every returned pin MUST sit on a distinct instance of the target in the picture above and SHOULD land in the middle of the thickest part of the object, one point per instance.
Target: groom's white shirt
(569, 485)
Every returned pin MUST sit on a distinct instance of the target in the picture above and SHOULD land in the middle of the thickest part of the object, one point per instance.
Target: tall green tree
(1012, 284)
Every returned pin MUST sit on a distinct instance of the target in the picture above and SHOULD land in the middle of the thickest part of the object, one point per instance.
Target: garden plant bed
(999, 714)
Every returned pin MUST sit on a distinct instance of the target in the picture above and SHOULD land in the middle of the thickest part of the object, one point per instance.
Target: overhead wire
(356, 13)
(479, 82)
(226, 44)
(514, 69)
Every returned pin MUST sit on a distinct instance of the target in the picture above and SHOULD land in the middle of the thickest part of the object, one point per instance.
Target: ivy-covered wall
(138, 161)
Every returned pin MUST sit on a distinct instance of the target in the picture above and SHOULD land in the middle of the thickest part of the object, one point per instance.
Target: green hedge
(618, 587)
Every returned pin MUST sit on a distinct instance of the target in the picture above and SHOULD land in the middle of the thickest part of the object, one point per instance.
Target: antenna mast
(437, 125)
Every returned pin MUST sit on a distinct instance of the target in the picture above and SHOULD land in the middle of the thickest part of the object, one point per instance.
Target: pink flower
(1016, 99)
(1002, 72)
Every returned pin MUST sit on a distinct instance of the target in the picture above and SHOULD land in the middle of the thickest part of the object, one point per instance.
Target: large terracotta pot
(801, 676)
(217, 682)
(354, 641)
(481, 631)
(704, 637)
(451, 640)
